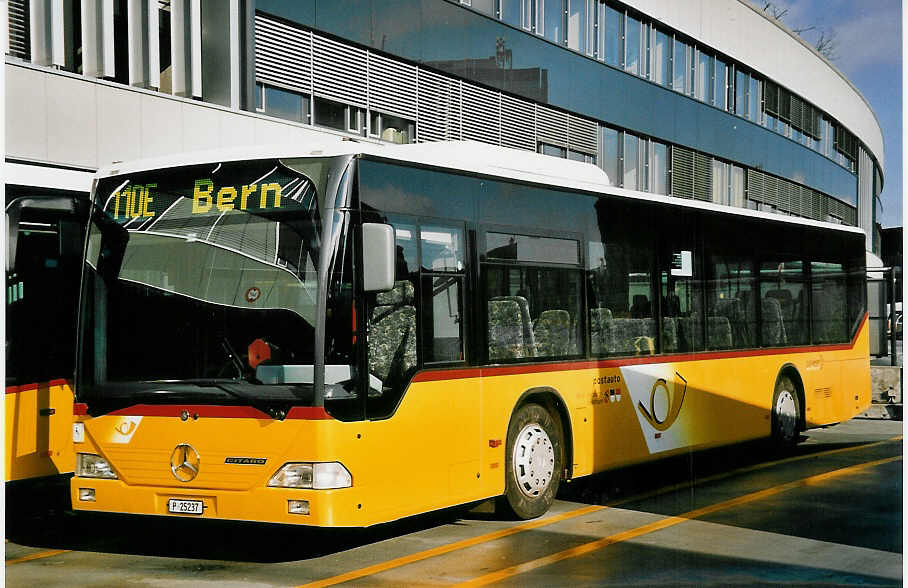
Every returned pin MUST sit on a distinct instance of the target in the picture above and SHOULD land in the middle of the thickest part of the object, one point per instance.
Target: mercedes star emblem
(184, 462)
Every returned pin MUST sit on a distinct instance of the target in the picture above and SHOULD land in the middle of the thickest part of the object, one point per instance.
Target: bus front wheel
(786, 413)
(533, 462)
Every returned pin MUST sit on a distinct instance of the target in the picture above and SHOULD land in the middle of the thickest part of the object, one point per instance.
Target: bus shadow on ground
(49, 523)
(629, 484)
(59, 528)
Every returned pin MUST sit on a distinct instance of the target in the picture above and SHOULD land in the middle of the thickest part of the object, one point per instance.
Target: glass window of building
(330, 114)
(680, 67)
(576, 28)
(553, 21)
(510, 12)
(720, 90)
(736, 186)
(658, 168)
(552, 150)
(610, 154)
(741, 86)
(662, 58)
(704, 76)
(259, 96)
(632, 43)
(393, 129)
(483, 6)
(753, 99)
(286, 104)
(633, 166)
(614, 37)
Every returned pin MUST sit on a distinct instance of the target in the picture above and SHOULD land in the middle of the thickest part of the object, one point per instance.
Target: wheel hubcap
(786, 415)
(534, 460)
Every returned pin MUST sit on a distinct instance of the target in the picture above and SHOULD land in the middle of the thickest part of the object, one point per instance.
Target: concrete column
(92, 40)
(40, 31)
(107, 36)
(180, 55)
(154, 42)
(137, 42)
(195, 37)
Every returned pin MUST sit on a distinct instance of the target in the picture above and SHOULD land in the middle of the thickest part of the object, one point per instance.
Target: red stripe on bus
(463, 373)
(218, 411)
(80, 408)
(34, 386)
(309, 413)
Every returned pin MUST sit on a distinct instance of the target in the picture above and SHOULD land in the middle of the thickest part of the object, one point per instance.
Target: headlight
(89, 465)
(317, 476)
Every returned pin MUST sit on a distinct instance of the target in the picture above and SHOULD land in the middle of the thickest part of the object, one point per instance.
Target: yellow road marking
(441, 550)
(39, 555)
(746, 469)
(667, 522)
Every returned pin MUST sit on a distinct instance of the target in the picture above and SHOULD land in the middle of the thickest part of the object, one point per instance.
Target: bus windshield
(203, 278)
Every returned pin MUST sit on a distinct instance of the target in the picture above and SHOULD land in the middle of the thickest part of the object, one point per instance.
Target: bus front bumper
(321, 508)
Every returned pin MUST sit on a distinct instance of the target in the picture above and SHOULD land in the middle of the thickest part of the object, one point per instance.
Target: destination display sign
(138, 201)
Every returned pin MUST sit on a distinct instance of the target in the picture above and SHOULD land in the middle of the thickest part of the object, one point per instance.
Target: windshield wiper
(276, 407)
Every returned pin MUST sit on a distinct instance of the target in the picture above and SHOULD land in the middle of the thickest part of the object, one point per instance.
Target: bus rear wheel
(533, 462)
(786, 414)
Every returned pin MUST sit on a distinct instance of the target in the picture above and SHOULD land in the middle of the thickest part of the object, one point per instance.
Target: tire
(786, 414)
(533, 462)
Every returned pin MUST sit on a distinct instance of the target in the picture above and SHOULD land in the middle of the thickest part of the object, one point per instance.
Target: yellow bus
(45, 237)
(344, 334)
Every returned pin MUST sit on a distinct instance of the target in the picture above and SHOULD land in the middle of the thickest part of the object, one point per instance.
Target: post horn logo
(664, 405)
(184, 462)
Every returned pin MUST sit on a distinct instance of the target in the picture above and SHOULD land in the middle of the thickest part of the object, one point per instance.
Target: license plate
(178, 506)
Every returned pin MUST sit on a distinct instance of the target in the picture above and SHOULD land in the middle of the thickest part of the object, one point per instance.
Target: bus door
(45, 238)
(415, 332)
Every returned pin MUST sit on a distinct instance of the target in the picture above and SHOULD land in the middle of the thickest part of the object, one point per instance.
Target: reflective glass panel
(662, 58)
(510, 12)
(283, 103)
(442, 319)
(720, 94)
(442, 248)
(553, 19)
(704, 76)
(614, 30)
(753, 99)
(658, 168)
(610, 155)
(679, 67)
(631, 161)
(632, 60)
(577, 25)
(784, 303)
(741, 85)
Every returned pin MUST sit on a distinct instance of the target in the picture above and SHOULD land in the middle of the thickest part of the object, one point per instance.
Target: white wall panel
(71, 130)
(26, 114)
(120, 129)
(161, 132)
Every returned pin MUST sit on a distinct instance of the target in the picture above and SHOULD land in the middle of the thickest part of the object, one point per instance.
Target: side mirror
(378, 257)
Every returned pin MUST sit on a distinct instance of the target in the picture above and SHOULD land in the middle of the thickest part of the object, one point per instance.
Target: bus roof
(467, 156)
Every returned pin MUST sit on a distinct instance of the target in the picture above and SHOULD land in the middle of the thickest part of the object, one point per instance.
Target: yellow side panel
(39, 444)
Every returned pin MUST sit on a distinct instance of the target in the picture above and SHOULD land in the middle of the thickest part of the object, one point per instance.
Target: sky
(868, 50)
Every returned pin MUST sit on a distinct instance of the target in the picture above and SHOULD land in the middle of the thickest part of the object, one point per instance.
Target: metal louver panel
(797, 112)
(339, 71)
(19, 42)
(283, 55)
(703, 177)
(481, 114)
(518, 125)
(756, 186)
(682, 172)
(392, 86)
(582, 134)
(439, 108)
(551, 126)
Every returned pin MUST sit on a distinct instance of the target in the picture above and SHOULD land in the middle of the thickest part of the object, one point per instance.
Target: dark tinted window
(527, 248)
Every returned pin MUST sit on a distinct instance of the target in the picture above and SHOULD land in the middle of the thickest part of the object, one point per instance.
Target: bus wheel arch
(788, 383)
(535, 454)
(551, 400)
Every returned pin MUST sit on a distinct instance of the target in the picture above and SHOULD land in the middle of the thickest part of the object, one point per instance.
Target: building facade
(706, 99)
